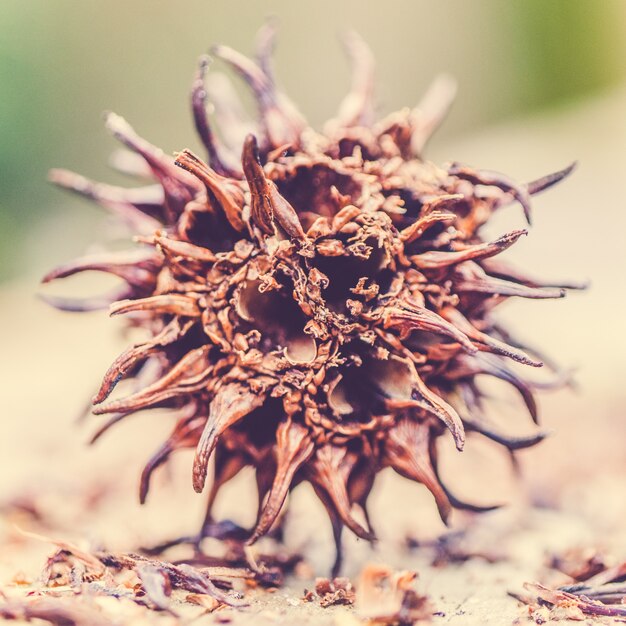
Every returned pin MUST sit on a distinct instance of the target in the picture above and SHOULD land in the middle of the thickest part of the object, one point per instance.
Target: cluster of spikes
(319, 308)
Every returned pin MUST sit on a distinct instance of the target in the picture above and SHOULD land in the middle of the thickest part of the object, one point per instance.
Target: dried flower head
(318, 309)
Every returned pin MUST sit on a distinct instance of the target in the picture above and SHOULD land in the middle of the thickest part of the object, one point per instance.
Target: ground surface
(571, 496)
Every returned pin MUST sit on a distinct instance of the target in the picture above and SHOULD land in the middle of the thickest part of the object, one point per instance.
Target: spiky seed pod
(318, 309)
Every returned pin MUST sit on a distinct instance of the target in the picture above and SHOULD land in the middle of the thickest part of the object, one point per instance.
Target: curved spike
(545, 182)
(486, 364)
(231, 403)
(512, 443)
(201, 120)
(132, 356)
(454, 316)
(501, 269)
(227, 465)
(357, 108)
(167, 303)
(455, 502)
(494, 179)
(463, 505)
(435, 259)
(155, 461)
(184, 435)
(189, 374)
(442, 410)
(214, 183)
(265, 43)
(265, 472)
(188, 251)
(136, 207)
(432, 110)
(294, 446)
(268, 206)
(114, 419)
(336, 526)
(229, 113)
(281, 120)
(330, 470)
(179, 188)
(259, 82)
(124, 362)
(419, 226)
(409, 316)
(483, 283)
(134, 266)
(407, 451)
(94, 303)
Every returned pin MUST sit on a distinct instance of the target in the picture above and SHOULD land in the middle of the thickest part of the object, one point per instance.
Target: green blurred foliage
(62, 62)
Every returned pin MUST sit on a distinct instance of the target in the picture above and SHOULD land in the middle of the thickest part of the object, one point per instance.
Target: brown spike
(282, 122)
(294, 446)
(189, 374)
(408, 316)
(188, 251)
(488, 364)
(229, 112)
(407, 451)
(214, 183)
(184, 435)
(330, 471)
(171, 333)
(545, 182)
(265, 43)
(501, 269)
(217, 161)
(357, 108)
(94, 303)
(136, 267)
(436, 259)
(268, 206)
(227, 465)
(136, 207)
(421, 225)
(494, 179)
(436, 405)
(494, 345)
(336, 525)
(113, 419)
(474, 279)
(429, 114)
(179, 188)
(231, 403)
(457, 503)
(512, 443)
(398, 381)
(169, 304)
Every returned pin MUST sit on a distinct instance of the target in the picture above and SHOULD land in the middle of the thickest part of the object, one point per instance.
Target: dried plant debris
(338, 591)
(580, 563)
(74, 581)
(598, 589)
(319, 308)
(387, 597)
(382, 596)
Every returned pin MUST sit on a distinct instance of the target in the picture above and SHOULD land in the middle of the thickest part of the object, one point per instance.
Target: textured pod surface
(317, 305)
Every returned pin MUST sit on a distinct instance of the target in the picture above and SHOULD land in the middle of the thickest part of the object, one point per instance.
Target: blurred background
(540, 84)
(63, 63)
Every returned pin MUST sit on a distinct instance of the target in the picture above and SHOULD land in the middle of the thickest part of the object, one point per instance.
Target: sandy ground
(571, 493)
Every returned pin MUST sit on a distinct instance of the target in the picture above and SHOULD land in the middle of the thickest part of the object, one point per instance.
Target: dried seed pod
(320, 311)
